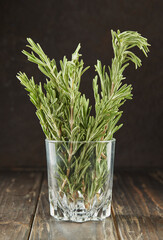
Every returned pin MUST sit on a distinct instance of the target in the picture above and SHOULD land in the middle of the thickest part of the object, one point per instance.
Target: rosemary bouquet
(80, 172)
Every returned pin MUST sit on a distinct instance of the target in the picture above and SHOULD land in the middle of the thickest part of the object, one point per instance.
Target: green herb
(64, 112)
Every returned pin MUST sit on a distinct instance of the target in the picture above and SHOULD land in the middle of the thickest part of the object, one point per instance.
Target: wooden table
(137, 209)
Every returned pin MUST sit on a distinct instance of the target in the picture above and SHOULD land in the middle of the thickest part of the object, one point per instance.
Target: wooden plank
(138, 205)
(18, 197)
(46, 227)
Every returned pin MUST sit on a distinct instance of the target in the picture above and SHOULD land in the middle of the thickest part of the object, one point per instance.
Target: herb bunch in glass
(65, 113)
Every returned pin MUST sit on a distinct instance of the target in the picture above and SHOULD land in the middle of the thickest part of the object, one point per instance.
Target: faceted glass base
(80, 213)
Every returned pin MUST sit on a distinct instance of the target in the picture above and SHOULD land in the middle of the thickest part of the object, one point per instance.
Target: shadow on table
(57, 230)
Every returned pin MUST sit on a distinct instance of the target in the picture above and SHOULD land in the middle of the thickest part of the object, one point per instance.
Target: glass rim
(61, 141)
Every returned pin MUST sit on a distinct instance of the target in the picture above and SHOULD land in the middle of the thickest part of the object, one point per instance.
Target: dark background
(59, 26)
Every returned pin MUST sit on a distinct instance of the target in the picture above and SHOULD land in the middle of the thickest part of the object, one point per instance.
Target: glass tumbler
(80, 179)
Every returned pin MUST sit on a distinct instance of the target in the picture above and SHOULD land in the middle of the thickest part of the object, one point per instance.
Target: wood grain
(137, 209)
(18, 197)
(45, 227)
(138, 205)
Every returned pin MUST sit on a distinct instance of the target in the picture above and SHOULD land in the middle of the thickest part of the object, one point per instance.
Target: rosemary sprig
(64, 113)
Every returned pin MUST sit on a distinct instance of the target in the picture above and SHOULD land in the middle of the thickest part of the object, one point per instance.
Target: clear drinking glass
(80, 179)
